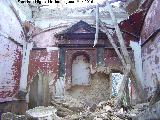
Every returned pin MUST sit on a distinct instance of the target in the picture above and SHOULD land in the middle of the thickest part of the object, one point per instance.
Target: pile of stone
(102, 111)
(68, 108)
(11, 116)
(75, 110)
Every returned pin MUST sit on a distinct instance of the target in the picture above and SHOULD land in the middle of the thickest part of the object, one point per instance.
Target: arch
(78, 53)
(70, 56)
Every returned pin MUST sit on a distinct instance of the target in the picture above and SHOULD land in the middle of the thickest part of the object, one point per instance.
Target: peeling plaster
(151, 65)
(151, 23)
(10, 55)
(151, 50)
(10, 24)
(41, 60)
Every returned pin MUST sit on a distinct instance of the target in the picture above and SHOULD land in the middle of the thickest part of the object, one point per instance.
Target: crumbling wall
(98, 90)
(151, 22)
(99, 87)
(11, 36)
(9, 24)
(45, 56)
(10, 65)
(151, 65)
(151, 48)
(46, 62)
(70, 54)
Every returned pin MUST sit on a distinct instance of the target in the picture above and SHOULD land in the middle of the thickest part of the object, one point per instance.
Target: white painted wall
(9, 25)
(80, 71)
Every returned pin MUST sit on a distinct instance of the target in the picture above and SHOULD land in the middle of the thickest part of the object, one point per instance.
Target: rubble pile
(68, 108)
(72, 109)
(103, 111)
(11, 116)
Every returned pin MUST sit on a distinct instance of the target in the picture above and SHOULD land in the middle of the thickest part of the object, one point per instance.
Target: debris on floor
(68, 108)
(11, 116)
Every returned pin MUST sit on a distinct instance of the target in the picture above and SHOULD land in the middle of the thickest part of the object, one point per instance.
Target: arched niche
(80, 69)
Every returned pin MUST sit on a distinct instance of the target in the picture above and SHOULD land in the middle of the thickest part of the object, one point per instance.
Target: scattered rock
(72, 109)
(93, 108)
(11, 116)
(107, 108)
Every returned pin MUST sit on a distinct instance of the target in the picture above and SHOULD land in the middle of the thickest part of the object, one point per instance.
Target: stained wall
(11, 36)
(150, 37)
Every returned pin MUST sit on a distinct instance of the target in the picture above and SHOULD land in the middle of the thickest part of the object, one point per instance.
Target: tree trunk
(123, 94)
(127, 59)
(137, 85)
(119, 34)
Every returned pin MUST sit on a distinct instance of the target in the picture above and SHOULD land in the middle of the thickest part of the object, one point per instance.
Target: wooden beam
(137, 82)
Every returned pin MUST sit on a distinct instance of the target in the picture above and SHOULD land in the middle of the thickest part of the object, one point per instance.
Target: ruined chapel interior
(79, 60)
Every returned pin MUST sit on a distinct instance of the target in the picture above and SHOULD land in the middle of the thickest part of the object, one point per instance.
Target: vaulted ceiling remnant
(133, 25)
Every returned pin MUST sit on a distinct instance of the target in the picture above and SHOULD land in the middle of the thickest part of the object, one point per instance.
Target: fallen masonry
(97, 61)
(68, 108)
